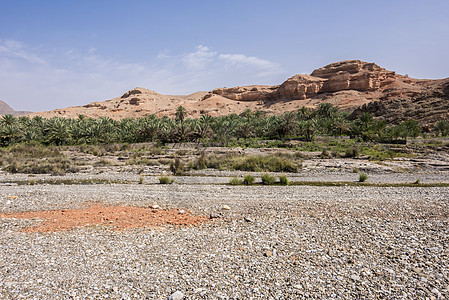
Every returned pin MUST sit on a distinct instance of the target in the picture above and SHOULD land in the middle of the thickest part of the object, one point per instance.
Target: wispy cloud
(15, 49)
(204, 58)
(199, 59)
(76, 77)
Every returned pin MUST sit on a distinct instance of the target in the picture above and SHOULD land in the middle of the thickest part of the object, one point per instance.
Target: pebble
(382, 231)
(177, 296)
(268, 253)
(226, 207)
(214, 216)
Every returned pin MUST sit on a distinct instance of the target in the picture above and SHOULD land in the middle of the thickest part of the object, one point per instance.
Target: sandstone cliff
(350, 85)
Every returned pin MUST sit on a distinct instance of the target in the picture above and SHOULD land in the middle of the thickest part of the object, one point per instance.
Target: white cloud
(75, 77)
(15, 49)
(199, 59)
(240, 59)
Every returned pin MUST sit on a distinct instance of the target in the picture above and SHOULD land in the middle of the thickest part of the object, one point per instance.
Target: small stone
(198, 290)
(177, 296)
(214, 216)
(268, 253)
(435, 291)
(248, 219)
(154, 206)
(181, 211)
(355, 277)
(226, 207)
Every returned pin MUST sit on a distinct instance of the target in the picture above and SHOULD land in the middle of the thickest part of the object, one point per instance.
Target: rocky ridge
(348, 85)
(5, 109)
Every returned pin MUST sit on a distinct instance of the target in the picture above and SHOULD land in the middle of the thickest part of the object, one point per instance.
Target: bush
(141, 180)
(352, 152)
(176, 166)
(235, 181)
(166, 180)
(201, 162)
(269, 163)
(363, 177)
(248, 179)
(284, 180)
(267, 179)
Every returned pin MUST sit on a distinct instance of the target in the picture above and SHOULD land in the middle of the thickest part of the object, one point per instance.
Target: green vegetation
(166, 180)
(363, 177)
(35, 159)
(235, 181)
(252, 163)
(283, 180)
(246, 129)
(177, 166)
(248, 179)
(267, 179)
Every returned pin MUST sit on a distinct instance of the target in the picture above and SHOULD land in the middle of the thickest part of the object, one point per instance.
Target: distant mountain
(5, 109)
(352, 85)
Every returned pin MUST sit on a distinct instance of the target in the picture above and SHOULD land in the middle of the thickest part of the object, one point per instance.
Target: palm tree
(57, 131)
(308, 129)
(8, 120)
(181, 113)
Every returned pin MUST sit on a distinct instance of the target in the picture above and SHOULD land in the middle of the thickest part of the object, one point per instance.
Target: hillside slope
(350, 85)
(5, 109)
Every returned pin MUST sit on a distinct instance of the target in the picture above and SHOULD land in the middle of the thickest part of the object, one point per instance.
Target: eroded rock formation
(347, 75)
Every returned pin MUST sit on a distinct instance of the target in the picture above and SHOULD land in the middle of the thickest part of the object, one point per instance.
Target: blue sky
(56, 53)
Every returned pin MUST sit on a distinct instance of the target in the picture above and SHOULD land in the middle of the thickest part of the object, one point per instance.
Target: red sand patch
(116, 217)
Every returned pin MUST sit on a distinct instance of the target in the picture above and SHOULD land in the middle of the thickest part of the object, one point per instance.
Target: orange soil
(117, 217)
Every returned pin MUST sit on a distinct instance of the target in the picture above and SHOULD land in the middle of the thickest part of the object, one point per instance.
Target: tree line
(304, 123)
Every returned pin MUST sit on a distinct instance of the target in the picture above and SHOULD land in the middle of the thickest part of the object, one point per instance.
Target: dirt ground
(114, 217)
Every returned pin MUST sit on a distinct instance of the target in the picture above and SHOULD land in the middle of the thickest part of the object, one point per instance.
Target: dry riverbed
(278, 242)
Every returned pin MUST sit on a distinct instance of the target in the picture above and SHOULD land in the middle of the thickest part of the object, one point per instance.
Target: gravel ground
(273, 242)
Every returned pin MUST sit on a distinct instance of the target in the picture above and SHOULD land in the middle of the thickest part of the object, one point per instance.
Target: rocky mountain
(351, 85)
(5, 109)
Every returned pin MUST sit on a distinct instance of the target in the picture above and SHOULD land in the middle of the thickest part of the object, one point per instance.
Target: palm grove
(304, 124)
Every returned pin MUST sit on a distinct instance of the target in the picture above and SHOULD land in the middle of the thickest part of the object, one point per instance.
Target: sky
(56, 53)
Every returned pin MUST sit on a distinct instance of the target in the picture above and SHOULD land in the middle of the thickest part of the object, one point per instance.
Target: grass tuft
(249, 179)
(166, 180)
(284, 180)
(267, 179)
(363, 177)
(235, 181)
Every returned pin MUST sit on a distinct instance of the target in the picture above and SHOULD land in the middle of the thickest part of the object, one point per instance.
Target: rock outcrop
(350, 85)
(427, 108)
(347, 75)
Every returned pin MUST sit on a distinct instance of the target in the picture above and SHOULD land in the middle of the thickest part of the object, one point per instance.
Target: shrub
(352, 152)
(325, 153)
(363, 177)
(267, 179)
(249, 179)
(166, 180)
(355, 170)
(176, 166)
(141, 180)
(284, 180)
(201, 162)
(235, 181)
(269, 163)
